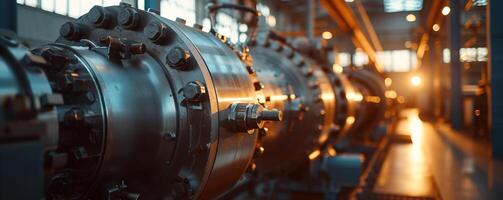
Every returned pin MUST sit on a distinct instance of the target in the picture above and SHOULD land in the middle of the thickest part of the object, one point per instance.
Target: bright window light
(360, 58)
(344, 59)
(446, 55)
(402, 5)
(480, 2)
(185, 9)
(478, 54)
(32, 3)
(47, 5)
(71, 8)
(227, 26)
(397, 60)
(61, 8)
(110, 2)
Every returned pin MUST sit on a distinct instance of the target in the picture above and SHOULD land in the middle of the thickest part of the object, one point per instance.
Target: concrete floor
(439, 163)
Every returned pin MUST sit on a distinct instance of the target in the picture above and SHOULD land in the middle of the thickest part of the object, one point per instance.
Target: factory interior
(251, 99)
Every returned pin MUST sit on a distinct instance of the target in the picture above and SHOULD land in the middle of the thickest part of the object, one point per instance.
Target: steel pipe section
(127, 104)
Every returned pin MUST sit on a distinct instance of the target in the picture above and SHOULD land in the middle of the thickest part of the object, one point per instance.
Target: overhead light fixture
(436, 27)
(411, 18)
(326, 35)
(388, 81)
(407, 44)
(337, 68)
(349, 1)
(446, 10)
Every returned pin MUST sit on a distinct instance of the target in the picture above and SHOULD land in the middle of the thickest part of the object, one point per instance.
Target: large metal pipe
(137, 106)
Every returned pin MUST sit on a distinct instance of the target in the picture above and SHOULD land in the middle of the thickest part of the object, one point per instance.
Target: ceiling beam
(433, 15)
(346, 20)
(368, 26)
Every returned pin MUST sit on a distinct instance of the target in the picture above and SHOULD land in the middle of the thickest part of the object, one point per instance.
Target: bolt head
(193, 90)
(153, 31)
(258, 85)
(177, 57)
(96, 15)
(68, 30)
(128, 18)
(90, 97)
(74, 117)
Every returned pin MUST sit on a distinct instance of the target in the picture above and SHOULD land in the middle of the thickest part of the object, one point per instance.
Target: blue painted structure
(495, 42)
(456, 111)
(8, 15)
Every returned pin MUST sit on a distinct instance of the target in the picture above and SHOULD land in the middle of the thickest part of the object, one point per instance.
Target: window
(475, 54)
(480, 2)
(360, 58)
(446, 55)
(402, 5)
(397, 60)
(266, 12)
(185, 9)
(343, 59)
(71, 8)
(227, 26)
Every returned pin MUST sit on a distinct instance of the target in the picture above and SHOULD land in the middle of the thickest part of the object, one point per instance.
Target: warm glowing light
(407, 44)
(354, 96)
(415, 127)
(388, 82)
(400, 99)
(331, 151)
(278, 97)
(415, 81)
(349, 1)
(446, 10)
(373, 99)
(337, 68)
(261, 149)
(436, 27)
(350, 120)
(253, 166)
(314, 155)
(323, 138)
(271, 21)
(326, 35)
(411, 18)
(391, 94)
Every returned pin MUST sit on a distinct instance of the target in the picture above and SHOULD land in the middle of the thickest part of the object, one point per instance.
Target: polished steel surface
(232, 84)
(150, 108)
(306, 98)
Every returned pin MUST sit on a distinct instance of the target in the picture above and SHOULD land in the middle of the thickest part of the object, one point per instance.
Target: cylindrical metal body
(304, 94)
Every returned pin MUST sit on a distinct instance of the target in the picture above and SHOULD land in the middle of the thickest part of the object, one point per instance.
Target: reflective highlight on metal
(128, 105)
